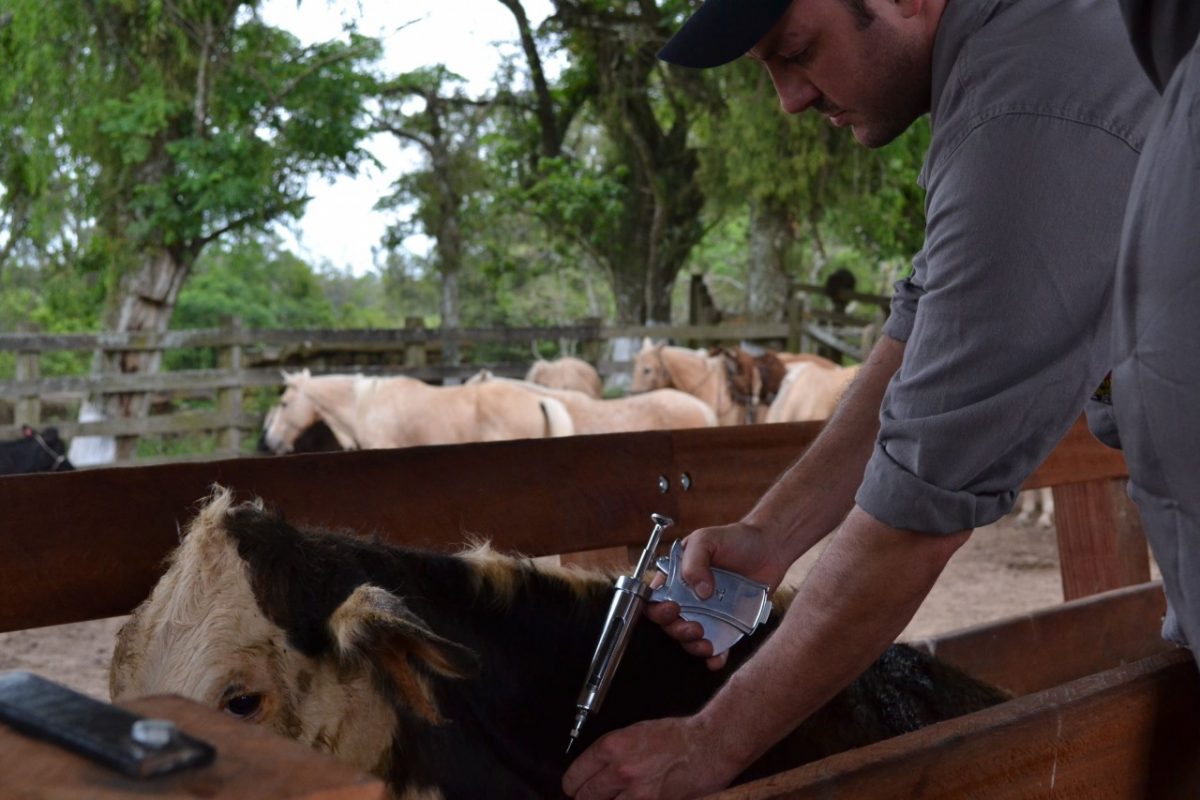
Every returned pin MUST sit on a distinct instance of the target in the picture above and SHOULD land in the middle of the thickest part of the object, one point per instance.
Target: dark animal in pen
(34, 452)
(450, 676)
(316, 438)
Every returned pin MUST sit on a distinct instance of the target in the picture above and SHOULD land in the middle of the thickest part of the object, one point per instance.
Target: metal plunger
(630, 593)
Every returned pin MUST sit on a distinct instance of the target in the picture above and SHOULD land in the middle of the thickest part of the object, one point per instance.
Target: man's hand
(660, 759)
(740, 548)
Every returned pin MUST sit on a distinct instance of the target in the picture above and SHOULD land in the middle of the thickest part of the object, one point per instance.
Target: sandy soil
(1005, 569)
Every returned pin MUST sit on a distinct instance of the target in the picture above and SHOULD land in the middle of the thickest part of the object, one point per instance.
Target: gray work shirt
(1162, 32)
(1039, 112)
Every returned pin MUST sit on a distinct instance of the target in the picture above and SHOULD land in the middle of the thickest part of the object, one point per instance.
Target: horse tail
(558, 419)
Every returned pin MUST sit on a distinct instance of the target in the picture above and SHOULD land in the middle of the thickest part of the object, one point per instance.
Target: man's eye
(798, 59)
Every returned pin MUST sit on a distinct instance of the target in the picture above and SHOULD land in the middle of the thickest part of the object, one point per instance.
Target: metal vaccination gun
(736, 607)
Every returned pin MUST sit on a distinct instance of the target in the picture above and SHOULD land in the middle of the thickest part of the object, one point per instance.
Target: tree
(445, 125)
(183, 121)
(632, 202)
(805, 182)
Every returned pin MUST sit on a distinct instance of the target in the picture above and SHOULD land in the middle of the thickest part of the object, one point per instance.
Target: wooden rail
(243, 356)
(90, 544)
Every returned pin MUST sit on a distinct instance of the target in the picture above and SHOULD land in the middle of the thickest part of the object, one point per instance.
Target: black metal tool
(137, 746)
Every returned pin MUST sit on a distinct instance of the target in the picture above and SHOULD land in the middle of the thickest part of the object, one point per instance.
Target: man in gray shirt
(996, 339)
(1156, 355)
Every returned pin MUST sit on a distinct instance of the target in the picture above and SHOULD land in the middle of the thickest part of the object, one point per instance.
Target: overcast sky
(468, 36)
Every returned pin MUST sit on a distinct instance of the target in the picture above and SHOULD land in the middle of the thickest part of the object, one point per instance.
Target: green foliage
(165, 126)
(259, 282)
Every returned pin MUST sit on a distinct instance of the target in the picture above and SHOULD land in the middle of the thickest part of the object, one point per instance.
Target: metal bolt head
(663, 484)
(153, 733)
(685, 480)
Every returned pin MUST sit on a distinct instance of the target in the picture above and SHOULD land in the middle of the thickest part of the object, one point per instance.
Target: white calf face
(202, 635)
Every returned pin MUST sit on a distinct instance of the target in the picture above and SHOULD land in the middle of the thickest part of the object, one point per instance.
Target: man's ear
(375, 626)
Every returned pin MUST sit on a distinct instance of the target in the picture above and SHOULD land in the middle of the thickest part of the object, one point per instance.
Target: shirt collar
(960, 19)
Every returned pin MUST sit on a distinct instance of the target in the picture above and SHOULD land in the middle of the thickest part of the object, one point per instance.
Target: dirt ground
(1004, 569)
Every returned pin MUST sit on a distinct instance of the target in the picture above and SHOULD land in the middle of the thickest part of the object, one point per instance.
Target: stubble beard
(902, 91)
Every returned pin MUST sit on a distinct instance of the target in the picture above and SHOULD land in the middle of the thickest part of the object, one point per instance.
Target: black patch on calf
(505, 727)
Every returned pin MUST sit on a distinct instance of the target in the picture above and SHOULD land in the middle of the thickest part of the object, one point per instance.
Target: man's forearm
(859, 596)
(816, 492)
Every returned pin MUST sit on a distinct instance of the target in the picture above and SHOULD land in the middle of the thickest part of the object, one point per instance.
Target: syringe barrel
(629, 597)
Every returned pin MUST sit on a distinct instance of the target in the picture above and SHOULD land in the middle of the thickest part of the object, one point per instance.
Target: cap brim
(721, 31)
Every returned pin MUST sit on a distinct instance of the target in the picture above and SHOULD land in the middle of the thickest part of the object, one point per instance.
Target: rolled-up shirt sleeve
(1006, 319)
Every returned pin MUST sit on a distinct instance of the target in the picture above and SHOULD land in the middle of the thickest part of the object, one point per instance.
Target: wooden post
(28, 408)
(1100, 541)
(415, 353)
(797, 308)
(591, 348)
(229, 399)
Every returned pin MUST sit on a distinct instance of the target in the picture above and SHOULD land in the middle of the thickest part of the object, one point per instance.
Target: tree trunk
(147, 300)
(767, 275)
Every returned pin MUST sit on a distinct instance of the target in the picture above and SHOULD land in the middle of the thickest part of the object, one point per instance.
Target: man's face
(875, 78)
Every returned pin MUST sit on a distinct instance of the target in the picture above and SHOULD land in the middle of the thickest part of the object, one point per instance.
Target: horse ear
(646, 343)
(304, 373)
(374, 625)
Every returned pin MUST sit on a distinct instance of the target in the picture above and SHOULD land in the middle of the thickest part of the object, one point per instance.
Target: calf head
(281, 628)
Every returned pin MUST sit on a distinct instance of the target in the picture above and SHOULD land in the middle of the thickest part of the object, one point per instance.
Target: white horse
(660, 409)
(810, 392)
(566, 373)
(366, 413)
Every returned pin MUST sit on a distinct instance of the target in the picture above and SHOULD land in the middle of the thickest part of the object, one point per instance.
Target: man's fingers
(717, 662)
(589, 763)
(684, 630)
(701, 648)
(663, 613)
(697, 555)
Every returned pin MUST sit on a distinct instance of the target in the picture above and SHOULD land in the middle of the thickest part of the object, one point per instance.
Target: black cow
(451, 676)
(34, 452)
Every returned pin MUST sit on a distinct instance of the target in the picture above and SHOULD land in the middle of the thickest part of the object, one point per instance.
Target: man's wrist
(725, 754)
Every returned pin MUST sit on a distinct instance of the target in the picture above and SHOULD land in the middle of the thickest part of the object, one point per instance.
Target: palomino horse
(660, 409)
(566, 373)
(695, 372)
(810, 392)
(714, 378)
(366, 413)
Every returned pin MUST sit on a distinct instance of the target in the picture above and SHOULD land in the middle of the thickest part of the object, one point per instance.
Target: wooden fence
(1102, 707)
(252, 359)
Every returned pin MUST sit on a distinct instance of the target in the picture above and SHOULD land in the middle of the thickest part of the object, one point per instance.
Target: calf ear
(375, 625)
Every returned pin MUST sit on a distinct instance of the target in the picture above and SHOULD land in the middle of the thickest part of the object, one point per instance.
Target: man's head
(863, 63)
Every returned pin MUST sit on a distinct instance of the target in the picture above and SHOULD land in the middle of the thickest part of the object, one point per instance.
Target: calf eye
(244, 705)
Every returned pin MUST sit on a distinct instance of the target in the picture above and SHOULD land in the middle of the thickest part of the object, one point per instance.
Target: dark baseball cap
(721, 31)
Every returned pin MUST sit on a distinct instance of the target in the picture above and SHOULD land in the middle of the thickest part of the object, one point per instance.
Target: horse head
(649, 371)
(295, 413)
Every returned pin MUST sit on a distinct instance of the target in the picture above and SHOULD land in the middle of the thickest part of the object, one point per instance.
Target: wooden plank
(1052, 646)
(1129, 732)
(1101, 544)
(728, 332)
(251, 762)
(1078, 458)
(90, 543)
(99, 554)
(210, 379)
(183, 422)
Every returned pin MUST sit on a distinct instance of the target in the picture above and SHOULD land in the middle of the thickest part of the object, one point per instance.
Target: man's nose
(795, 93)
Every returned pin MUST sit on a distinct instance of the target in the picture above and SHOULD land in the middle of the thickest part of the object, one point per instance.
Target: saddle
(753, 380)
